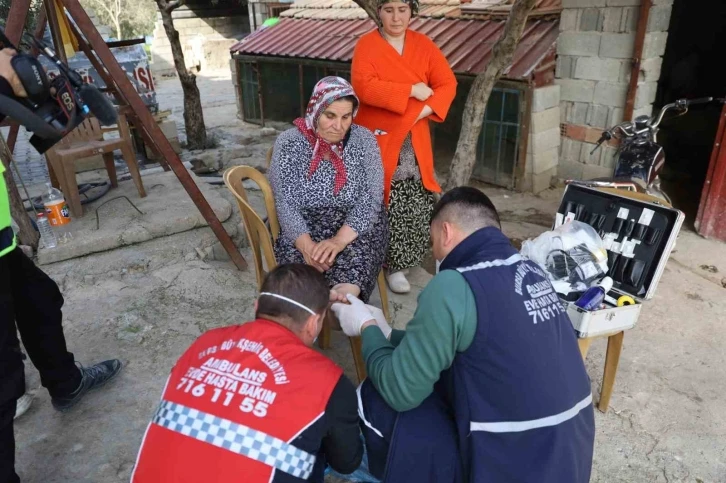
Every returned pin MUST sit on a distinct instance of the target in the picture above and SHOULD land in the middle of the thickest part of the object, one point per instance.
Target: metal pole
(160, 143)
(637, 58)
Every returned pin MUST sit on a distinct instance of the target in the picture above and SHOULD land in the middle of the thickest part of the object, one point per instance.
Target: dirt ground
(146, 303)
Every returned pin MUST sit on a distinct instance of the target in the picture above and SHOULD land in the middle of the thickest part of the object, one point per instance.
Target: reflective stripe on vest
(237, 438)
(519, 426)
(8, 242)
(494, 263)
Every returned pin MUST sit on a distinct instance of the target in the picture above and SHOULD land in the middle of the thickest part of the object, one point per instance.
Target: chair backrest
(257, 233)
(88, 130)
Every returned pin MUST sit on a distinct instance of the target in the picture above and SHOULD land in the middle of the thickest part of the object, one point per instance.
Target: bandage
(291, 301)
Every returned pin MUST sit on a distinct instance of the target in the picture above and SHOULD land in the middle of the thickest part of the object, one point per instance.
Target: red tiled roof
(466, 43)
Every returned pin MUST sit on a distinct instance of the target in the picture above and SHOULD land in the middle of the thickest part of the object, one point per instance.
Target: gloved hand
(352, 316)
(380, 321)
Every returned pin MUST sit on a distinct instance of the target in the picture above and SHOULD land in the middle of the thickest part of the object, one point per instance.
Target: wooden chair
(85, 141)
(261, 240)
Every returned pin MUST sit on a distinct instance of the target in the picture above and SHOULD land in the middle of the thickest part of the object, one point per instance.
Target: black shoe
(92, 377)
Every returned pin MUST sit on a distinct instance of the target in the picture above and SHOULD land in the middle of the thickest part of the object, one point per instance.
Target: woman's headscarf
(326, 91)
(411, 3)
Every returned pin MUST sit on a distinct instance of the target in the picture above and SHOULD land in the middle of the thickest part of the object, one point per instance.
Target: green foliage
(134, 18)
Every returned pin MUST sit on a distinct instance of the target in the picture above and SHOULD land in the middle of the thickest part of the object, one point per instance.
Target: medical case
(639, 234)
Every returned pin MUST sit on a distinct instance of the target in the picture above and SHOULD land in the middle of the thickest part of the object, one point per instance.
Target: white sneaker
(23, 404)
(397, 282)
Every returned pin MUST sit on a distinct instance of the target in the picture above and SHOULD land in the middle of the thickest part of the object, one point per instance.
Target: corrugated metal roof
(348, 9)
(502, 8)
(467, 44)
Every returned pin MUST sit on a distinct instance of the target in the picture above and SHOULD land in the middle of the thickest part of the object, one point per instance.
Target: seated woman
(327, 177)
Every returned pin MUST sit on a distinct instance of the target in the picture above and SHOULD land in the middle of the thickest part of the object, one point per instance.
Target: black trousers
(32, 301)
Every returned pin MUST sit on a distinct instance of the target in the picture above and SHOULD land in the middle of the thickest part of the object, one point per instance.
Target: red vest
(232, 405)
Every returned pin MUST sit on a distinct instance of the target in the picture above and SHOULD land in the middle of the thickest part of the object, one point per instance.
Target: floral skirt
(409, 215)
(358, 264)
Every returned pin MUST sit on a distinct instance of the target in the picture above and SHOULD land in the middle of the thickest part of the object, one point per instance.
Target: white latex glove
(380, 321)
(352, 316)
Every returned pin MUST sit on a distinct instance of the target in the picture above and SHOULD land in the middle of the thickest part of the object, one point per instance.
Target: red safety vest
(233, 404)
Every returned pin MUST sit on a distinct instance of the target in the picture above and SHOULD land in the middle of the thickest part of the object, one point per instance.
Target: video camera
(54, 107)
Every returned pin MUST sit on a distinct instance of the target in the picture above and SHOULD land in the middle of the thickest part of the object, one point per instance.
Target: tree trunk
(462, 165)
(28, 235)
(193, 115)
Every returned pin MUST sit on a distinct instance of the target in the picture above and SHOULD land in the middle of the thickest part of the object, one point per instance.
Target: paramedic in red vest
(489, 364)
(254, 402)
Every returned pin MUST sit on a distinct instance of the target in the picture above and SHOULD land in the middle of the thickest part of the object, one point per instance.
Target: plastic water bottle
(59, 216)
(46, 232)
(593, 296)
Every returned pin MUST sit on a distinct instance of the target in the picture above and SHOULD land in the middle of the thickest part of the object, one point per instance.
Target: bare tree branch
(462, 165)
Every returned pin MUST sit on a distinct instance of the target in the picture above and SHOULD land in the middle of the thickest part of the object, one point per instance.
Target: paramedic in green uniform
(30, 300)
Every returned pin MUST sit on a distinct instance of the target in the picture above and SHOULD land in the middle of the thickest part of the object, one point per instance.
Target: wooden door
(711, 218)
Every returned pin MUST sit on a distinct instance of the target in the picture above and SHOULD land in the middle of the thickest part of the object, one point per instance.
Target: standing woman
(402, 80)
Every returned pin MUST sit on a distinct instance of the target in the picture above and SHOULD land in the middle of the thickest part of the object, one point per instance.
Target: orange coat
(382, 79)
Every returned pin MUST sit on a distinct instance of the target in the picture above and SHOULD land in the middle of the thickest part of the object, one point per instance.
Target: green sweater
(405, 369)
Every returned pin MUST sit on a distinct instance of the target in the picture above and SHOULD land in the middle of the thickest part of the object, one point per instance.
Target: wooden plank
(14, 30)
(16, 20)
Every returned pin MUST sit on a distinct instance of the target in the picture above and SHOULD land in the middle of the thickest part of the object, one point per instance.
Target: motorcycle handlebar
(702, 100)
(627, 128)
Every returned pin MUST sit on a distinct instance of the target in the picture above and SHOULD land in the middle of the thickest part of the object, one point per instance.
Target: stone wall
(543, 144)
(204, 40)
(594, 59)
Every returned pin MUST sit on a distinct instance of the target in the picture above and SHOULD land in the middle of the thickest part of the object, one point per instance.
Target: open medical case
(639, 236)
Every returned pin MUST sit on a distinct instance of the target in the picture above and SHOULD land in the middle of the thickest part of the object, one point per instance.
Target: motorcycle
(639, 158)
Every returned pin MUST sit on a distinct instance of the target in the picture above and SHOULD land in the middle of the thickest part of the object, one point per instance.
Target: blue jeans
(361, 475)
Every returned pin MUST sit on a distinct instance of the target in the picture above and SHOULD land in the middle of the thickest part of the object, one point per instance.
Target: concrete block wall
(594, 59)
(543, 143)
(193, 35)
(257, 13)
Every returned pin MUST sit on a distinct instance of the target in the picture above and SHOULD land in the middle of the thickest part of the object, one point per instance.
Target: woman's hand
(425, 112)
(326, 251)
(306, 246)
(421, 91)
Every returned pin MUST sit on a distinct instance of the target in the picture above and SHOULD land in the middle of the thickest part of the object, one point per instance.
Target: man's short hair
(298, 282)
(468, 208)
